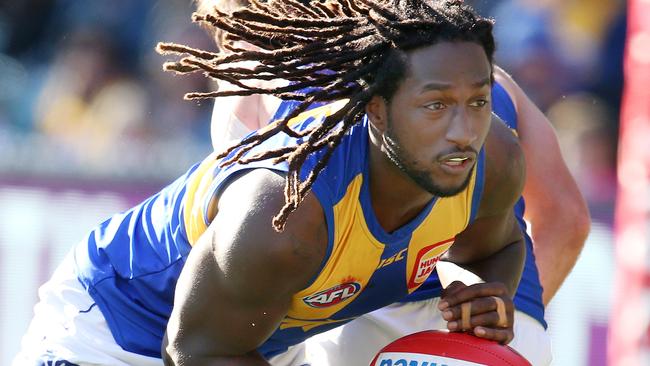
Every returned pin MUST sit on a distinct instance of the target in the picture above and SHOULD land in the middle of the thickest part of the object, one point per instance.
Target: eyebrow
(445, 86)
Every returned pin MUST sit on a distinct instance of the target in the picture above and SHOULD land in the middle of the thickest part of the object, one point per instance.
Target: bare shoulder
(504, 169)
(239, 279)
(243, 222)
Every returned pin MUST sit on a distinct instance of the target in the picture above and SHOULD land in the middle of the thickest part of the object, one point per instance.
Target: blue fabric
(57, 363)
(130, 263)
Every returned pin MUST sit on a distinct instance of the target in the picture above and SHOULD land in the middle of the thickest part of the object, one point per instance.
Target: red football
(439, 348)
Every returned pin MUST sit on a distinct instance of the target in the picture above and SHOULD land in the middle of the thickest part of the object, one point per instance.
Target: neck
(396, 198)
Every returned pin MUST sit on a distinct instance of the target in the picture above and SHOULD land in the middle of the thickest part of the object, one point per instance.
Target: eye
(436, 106)
(479, 103)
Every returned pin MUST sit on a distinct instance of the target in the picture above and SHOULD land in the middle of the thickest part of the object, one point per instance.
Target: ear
(377, 112)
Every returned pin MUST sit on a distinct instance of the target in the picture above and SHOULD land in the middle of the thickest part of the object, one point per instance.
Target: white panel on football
(419, 359)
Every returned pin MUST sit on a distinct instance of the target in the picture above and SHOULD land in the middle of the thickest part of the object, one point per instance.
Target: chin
(447, 189)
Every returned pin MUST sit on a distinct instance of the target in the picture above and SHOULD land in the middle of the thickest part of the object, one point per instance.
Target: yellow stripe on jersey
(354, 257)
(356, 254)
(322, 112)
(196, 200)
(436, 234)
(307, 325)
(201, 179)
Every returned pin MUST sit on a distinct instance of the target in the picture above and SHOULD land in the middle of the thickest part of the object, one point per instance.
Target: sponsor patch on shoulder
(332, 295)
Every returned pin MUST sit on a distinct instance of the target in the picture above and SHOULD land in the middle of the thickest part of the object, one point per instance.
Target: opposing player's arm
(240, 277)
(491, 246)
(559, 237)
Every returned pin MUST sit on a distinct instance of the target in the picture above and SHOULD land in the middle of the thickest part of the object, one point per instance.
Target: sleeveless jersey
(529, 293)
(131, 262)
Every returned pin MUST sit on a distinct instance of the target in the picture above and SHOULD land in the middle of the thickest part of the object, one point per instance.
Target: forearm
(556, 250)
(501, 271)
(186, 352)
(504, 266)
(554, 205)
(253, 359)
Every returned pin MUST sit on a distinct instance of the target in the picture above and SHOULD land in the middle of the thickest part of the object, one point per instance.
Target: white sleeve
(225, 127)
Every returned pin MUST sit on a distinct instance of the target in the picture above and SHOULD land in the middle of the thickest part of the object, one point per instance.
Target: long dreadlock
(336, 49)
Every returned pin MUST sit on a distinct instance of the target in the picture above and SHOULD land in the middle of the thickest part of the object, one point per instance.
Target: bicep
(484, 237)
(240, 277)
(212, 317)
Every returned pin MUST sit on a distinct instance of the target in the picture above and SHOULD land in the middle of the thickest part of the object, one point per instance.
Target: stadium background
(90, 124)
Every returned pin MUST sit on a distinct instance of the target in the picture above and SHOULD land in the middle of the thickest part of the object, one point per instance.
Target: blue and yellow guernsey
(131, 262)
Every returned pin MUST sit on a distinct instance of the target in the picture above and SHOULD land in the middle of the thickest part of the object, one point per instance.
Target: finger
(487, 320)
(452, 288)
(479, 306)
(501, 312)
(503, 336)
(466, 315)
(474, 291)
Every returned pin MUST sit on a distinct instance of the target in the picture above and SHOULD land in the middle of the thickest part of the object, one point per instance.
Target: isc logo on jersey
(418, 359)
(332, 295)
(425, 262)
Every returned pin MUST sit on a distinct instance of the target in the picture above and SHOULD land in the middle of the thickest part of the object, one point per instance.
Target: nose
(461, 129)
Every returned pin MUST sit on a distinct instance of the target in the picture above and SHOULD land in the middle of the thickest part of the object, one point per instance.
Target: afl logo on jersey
(332, 295)
(426, 261)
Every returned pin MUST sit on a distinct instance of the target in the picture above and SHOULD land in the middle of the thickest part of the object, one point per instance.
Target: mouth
(457, 163)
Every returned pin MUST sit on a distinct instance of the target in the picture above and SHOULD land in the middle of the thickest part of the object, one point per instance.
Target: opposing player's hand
(484, 309)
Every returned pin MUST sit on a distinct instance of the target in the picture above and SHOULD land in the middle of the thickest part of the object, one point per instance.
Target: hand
(484, 309)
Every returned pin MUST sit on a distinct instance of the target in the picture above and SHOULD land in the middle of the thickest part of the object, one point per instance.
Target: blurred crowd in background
(83, 93)
(83, 98)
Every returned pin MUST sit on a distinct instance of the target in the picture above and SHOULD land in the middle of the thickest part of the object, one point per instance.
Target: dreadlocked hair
(329, 50)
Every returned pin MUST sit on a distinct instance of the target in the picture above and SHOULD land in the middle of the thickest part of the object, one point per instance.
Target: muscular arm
(239, 278)
(559, 237)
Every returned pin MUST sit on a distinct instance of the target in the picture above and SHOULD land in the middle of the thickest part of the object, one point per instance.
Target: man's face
(440, 115)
